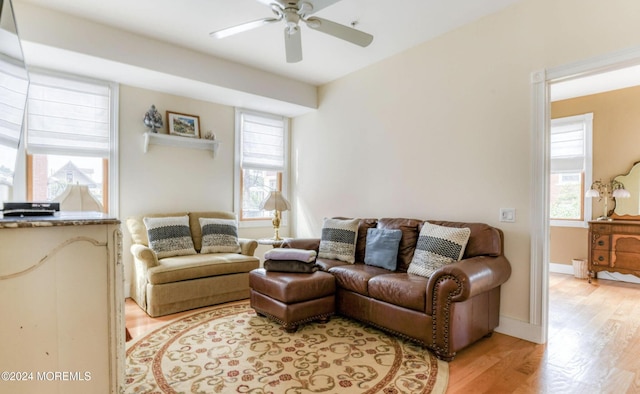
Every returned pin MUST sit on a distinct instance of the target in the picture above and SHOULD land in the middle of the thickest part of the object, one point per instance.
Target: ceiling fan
(292, 12)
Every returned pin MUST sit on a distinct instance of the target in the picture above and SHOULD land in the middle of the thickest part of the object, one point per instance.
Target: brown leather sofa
(458, 305)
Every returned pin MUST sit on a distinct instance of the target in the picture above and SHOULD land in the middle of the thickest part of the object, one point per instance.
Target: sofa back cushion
(194, 223)
(484, 240)
(138, 230)
(410, 232)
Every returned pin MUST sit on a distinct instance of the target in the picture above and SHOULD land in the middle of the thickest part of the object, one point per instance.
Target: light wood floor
(593, 347)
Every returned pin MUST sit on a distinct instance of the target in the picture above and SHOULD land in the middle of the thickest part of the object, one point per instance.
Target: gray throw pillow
(436, 247)
(382, 248)
(169, 236)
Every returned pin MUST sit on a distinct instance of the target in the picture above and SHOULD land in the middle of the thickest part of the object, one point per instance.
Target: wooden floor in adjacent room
(593, 347)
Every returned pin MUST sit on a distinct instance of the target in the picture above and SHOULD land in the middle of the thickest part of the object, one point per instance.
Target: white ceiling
(396, 26)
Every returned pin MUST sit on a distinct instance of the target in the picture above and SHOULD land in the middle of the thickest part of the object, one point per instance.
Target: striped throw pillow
(169, 236)
(436, 247)
(219, 236)
(338, 240)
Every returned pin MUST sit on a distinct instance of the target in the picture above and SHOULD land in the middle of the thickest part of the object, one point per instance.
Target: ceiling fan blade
(293, 45)
(229, 31)
(340, 31)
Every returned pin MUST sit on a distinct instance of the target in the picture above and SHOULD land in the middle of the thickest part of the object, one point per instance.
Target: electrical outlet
(508, 215)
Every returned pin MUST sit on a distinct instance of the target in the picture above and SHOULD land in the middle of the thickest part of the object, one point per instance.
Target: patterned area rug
(232, 350)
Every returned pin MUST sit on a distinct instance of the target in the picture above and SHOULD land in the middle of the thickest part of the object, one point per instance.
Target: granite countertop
(63, 218)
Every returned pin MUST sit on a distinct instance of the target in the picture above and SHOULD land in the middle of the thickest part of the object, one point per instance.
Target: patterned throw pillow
(338, 240)
(219, 236)
(169, 236)
(436, 247)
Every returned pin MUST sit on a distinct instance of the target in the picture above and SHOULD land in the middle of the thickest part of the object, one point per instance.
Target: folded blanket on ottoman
(291, 254)
(290, 266)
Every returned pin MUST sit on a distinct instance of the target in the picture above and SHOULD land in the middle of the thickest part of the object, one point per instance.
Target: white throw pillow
(436, 247)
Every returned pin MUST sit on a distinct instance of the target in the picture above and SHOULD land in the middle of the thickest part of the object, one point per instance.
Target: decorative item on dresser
(613, 189)
(615, 247)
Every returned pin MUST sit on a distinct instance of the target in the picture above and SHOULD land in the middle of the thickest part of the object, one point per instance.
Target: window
(71, 137)
(13, 96)
(570, 170)
(261, 162)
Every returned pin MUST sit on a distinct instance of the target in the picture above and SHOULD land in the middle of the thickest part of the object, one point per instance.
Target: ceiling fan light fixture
(313, 23)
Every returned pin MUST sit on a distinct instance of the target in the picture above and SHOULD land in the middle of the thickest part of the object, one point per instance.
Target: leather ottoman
(292, 298)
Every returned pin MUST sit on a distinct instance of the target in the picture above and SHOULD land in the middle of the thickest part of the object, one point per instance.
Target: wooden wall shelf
(183, 142)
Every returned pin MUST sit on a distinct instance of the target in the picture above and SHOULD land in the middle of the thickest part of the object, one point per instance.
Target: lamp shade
(621, 193)
(275, 202)
(592, 193)
(78, 198)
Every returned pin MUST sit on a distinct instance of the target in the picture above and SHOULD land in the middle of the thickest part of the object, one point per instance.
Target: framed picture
(183, 124)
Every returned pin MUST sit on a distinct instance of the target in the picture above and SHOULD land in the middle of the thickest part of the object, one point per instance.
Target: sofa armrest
(145, 255)
(302, 243)
(247, 246)
(465, 279)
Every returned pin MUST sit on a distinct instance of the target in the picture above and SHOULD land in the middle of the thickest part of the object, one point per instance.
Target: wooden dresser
(615, 247)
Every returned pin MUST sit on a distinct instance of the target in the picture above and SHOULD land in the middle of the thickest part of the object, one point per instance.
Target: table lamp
(277, 203)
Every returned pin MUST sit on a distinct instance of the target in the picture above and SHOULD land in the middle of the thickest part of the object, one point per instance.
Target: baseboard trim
(568, 269)
(520, 329)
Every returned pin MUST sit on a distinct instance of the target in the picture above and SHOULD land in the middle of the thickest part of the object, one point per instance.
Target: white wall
(442, 131)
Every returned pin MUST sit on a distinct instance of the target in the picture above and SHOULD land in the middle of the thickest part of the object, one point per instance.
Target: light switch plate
(508, 215)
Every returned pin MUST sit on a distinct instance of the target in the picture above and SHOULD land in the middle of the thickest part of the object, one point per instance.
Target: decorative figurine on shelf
(210, 135)
(153, 119)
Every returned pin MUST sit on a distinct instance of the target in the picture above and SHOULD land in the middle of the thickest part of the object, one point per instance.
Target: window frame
(109, 164)
(587, 178)
(283, 176)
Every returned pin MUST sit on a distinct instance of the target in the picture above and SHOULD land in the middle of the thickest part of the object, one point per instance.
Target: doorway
(543, 82)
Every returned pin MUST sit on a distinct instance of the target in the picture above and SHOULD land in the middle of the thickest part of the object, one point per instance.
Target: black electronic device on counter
(30, 208)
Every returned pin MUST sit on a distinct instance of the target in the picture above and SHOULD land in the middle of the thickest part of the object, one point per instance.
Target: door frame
(541, 82)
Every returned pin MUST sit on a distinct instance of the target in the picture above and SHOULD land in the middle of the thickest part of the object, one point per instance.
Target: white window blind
(13, 94)
(569, 143)
(263, 141)
(68, 116)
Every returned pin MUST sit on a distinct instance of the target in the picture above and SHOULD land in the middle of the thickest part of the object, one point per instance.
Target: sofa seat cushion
(401, 289)
(327, 264)
(355, 277)
(175, 269)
